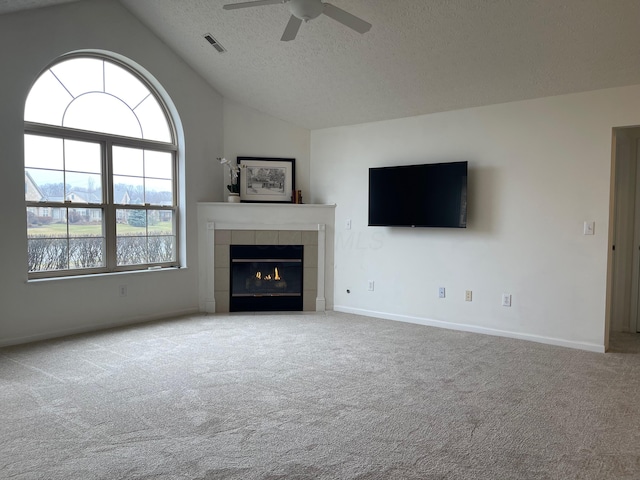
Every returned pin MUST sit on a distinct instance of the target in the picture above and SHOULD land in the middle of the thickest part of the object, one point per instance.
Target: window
(100, 171)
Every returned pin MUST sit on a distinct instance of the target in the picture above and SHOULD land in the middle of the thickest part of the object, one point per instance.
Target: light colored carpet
(315, 396)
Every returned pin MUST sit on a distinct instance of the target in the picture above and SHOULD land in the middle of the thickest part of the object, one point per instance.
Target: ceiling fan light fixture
(305, 9)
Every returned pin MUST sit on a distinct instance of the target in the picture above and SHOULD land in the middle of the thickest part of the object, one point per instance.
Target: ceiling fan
(307, 10)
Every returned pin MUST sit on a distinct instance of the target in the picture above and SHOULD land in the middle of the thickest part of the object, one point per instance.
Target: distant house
(39, 215)
(77, 195)
(31, 190)
(50, 214)
(122, 193)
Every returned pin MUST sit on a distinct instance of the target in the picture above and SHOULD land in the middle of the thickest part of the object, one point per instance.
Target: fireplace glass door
(266, 278)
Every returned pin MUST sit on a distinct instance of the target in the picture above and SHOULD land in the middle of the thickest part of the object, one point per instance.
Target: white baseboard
(96, 327)
(591, 347)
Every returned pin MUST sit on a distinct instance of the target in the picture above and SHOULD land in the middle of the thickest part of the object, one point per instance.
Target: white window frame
(108, 204)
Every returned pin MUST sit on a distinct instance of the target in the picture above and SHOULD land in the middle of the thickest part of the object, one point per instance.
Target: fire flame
(276, 275)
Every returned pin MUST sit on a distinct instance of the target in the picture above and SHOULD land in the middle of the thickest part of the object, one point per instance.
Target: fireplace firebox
(266, 278)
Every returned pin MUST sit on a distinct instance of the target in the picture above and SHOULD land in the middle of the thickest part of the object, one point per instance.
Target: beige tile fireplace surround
(225, 238)
(225, 224)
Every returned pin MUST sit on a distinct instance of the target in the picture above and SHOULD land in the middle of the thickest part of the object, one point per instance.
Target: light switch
(589, 228)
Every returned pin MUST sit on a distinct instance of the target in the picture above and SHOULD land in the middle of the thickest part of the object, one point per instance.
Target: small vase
(233, 198)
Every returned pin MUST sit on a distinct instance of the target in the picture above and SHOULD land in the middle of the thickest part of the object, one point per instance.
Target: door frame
(623, 197)
(635, 279)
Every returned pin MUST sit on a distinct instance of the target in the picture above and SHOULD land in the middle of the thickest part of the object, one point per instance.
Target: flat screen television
(427, 195)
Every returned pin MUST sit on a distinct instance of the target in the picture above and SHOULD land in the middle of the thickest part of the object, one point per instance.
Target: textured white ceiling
(421, 56)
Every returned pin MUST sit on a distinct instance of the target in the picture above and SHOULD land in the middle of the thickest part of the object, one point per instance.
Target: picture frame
(266, 180)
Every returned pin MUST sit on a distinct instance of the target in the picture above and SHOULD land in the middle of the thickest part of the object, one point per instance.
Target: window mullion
(176, 196)
(110, 210)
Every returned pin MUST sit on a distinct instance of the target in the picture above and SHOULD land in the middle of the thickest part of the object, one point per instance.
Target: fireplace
(266, 278)
(221, 225)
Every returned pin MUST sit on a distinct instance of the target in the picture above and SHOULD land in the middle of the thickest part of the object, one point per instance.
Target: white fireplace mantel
(270, 217)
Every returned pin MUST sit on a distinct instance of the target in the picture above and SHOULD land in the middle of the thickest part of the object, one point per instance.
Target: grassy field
(60, 230)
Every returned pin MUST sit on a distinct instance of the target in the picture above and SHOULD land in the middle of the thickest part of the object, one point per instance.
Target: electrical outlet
(371, 285)
(441, 293)
(122, 290)
(468, 296)
(506, 299)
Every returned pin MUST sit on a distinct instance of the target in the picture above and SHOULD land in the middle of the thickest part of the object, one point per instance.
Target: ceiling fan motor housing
(306, 9)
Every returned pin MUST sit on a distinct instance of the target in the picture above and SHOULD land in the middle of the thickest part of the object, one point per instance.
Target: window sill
(103, 275)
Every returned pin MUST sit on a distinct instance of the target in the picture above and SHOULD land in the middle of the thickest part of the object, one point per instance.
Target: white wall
(537, 170)
(29, 41)
(250, 133)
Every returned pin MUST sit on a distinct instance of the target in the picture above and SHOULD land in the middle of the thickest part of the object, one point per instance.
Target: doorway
(624, 292)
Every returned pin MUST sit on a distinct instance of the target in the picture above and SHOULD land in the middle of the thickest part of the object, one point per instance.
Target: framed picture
(267, 180)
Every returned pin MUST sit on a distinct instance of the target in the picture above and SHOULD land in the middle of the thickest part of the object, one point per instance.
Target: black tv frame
(422, 195)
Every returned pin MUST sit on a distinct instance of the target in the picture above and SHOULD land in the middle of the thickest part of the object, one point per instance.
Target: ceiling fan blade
(291, 29)
(346, 18)
(257, 3)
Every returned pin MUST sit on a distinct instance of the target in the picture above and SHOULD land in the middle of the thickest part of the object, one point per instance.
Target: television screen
(428, 195)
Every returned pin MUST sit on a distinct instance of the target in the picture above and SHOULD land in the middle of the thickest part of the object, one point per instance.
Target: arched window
(100, 171)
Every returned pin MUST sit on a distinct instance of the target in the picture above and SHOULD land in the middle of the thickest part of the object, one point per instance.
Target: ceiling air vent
(214, 43)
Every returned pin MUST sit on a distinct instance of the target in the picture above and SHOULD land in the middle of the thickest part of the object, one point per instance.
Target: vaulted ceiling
(420, 56)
